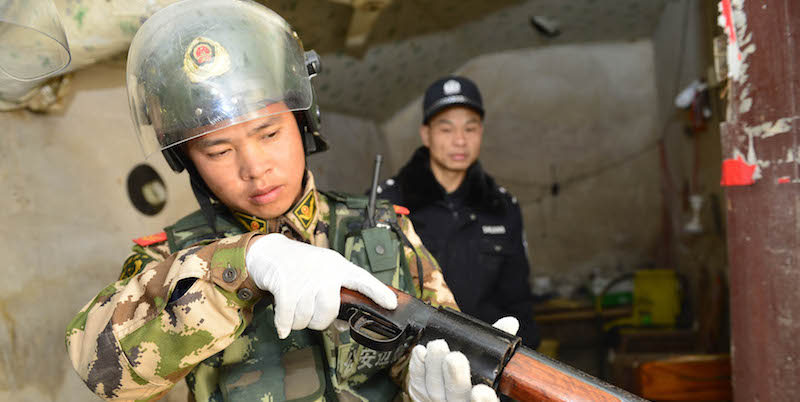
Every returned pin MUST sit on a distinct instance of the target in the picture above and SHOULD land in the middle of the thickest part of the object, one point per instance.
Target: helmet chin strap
(202, 193)
(306, 136)
(204, 198)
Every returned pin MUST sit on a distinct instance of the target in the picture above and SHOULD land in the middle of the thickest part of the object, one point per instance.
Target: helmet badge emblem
(202, 53)
(205, 59)
(451, 87)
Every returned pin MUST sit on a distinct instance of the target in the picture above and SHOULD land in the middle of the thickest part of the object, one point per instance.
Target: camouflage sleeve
(436, 291)
(134, 342)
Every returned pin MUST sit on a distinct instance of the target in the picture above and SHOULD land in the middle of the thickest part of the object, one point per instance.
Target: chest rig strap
(377, 249)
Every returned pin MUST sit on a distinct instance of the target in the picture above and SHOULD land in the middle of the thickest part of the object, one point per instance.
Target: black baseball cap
(451, 91)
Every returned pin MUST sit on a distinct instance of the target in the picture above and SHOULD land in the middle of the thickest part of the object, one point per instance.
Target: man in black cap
(472, 226)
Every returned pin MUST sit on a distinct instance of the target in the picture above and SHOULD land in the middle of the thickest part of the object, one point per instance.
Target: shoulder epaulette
(400, 210)
(502, 190)
(151, 239)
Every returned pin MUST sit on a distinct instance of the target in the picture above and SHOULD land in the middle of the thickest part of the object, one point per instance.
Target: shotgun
(496, 358)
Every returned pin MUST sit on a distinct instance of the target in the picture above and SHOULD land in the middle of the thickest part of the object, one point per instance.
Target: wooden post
(761, 151)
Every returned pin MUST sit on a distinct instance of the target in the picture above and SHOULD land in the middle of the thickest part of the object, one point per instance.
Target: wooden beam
(365, 14)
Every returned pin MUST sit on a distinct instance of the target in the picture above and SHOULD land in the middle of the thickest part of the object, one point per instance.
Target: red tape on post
(737, 172)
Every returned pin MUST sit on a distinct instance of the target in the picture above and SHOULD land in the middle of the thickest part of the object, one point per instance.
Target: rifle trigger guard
(387, 337)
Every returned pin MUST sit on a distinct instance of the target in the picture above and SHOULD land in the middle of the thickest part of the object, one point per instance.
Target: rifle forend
(496, 358)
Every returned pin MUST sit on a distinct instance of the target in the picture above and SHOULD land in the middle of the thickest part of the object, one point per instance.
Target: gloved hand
(435, 374)
(306, 280)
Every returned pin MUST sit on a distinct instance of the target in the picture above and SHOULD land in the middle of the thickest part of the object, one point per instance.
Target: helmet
(198, 66)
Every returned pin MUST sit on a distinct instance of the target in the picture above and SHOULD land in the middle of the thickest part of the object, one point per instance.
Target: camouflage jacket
(185, 306)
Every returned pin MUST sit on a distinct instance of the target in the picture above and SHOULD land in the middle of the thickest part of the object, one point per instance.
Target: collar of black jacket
(420, 187)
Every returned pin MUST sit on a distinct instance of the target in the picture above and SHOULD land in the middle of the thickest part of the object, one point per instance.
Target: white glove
(435, 374)
(306, 280)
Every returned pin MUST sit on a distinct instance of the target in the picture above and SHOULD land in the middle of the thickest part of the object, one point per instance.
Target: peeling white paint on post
(745, 101)
(790, 158)
(765, 130)
(771, 128)
(733, 20)
(750, 159)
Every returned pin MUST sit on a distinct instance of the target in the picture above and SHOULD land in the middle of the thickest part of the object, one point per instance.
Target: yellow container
(656, 298)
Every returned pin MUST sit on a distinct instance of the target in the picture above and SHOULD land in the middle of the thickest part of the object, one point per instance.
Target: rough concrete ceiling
(322, 24)
(411, 43)
(415, 41)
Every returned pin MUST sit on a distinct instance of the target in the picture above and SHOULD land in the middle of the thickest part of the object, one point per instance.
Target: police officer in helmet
(222, 89)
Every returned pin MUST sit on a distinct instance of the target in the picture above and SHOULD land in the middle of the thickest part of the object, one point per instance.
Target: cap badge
(204, 59)
(451, 87)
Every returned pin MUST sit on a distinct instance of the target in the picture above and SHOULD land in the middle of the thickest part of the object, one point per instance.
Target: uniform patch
(152, 239)
(251, 222)
(133, 265)
(204, 59)
(306, 209)
(494, 229)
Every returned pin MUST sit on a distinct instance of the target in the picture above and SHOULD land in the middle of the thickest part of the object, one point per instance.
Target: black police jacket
(475, 233)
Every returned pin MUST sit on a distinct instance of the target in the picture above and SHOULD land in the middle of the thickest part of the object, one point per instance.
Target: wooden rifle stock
(530, 376)
(516, 371)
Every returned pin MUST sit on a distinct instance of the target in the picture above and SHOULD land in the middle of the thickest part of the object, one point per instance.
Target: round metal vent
(147, 191)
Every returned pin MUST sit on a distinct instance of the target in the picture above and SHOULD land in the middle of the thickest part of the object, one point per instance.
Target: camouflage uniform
(185, 306)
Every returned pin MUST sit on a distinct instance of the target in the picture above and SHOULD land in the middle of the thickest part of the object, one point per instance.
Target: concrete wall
(676, 44)
(68, 223)
(683, 53)
(347, 165)
(67, 227)
(582, 116)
